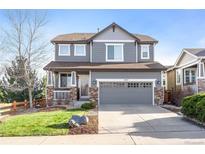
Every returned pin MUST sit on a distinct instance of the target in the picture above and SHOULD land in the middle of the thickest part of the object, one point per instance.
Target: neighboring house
(188, 71)
(112, 66)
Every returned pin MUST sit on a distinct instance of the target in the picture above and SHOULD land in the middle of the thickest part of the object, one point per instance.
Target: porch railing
(61, 94)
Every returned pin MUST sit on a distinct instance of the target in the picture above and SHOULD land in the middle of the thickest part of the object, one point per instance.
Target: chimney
(98, 29)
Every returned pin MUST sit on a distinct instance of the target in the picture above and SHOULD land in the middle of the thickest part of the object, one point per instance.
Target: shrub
(189, 105)
(200, 110)
(88, 105)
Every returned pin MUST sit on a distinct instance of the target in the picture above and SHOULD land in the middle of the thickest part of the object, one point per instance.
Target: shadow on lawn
(59, 126)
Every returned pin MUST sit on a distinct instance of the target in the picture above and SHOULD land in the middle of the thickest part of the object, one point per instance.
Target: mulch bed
(90, 128)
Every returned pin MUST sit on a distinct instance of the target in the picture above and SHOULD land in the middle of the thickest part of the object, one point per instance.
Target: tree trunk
(30, 98)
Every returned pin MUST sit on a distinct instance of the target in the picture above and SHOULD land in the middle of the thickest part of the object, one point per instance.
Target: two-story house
(112, 66)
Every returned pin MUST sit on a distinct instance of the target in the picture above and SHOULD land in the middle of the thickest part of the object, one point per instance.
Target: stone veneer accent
(50, 95)
(201, 85)
(158, 95)
(73, 94)
(93, 93)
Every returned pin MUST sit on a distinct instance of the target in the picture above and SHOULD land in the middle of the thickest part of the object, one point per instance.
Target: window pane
(80, 50)
(111, 52)
(64, 50)
(69, 80)
(187, 76)
(118, 52)
(178, 77)
(145, 54)
(193, 76)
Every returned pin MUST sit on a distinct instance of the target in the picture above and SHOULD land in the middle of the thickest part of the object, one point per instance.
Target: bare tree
(24, 42)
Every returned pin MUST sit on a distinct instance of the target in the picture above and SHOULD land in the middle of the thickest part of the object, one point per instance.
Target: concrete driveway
(146, 124)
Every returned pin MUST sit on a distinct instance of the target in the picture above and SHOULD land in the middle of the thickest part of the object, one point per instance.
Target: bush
(89, 105)
(200, 110)
(189, 105)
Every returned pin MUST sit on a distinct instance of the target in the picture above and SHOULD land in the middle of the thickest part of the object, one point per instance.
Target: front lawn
(40, 123)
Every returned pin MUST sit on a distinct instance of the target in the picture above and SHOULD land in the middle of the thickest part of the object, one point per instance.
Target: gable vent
(113, 28)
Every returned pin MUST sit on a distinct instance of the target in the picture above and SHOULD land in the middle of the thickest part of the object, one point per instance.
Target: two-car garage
(126, 92)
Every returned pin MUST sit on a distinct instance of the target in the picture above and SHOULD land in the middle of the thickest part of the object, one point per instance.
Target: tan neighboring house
(188, 71)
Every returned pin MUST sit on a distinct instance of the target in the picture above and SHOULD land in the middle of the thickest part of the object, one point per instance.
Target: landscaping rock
(76, 121)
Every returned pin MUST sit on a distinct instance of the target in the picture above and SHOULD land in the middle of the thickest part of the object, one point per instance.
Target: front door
(83, 85)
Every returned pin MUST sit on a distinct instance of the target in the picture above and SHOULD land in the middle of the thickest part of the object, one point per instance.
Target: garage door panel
(126, 92)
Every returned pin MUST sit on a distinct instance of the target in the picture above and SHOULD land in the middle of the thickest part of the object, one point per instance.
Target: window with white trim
(178, 76)
(49, 78)
(64, 80)
(64, 50)
(79, 50)
(145, 52)
(114, 52)
(189, 75)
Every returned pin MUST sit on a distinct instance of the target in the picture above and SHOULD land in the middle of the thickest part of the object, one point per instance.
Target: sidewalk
(188, 137)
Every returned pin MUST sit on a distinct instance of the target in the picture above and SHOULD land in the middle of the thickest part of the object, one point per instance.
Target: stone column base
(50, 96)
(93, 93)
(158, 95)
(73, 94)
(201, 85)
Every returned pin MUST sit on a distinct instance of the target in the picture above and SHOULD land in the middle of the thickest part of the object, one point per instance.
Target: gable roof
(199, 52)
(86, 37)
(181, 54)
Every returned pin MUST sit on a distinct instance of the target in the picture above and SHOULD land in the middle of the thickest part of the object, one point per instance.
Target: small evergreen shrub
(194, 106)
(200, 110)
(88, 105)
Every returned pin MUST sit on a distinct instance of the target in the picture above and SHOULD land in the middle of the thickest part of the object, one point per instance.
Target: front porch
(64, 87)
(191, 77)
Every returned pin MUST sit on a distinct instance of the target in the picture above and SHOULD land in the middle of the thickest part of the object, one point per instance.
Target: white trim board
(114, 41)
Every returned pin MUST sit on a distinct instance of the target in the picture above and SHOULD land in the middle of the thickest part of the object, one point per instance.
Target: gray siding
(99, 52)
(185, 58)
(73, 58)
(118, 34)
(125, 75)
(151, 54)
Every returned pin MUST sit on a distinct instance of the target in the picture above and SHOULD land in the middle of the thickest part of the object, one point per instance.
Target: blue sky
(175, 29)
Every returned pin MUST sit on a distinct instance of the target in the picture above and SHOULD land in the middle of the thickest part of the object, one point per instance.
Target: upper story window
(189, 75)
(114, 52)
(80, 50)
(145, 52)
(64, 50)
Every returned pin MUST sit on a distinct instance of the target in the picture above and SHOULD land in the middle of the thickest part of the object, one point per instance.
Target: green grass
(40, 123)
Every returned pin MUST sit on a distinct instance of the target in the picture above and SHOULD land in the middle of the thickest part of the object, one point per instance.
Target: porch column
(73, 92)
(201, 78)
